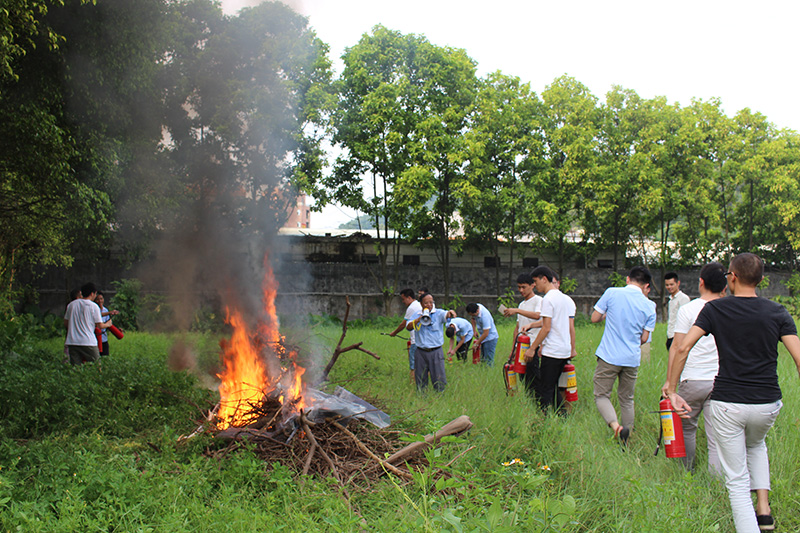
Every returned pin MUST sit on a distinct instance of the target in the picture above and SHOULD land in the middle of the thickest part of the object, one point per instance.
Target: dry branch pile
(349, 450)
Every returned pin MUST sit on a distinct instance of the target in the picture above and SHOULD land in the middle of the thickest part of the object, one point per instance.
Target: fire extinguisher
(476, 354)
(571, 393)
(99, 335)
(671, 431)
(515, 366)
(521, 345)
(116, 331)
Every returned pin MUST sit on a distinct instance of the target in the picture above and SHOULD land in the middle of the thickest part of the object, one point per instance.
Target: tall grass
(91, 475)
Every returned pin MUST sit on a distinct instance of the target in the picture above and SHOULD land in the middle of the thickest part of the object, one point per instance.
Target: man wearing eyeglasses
(746, 398)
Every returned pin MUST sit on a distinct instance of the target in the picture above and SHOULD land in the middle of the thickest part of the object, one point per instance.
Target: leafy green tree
(430, 189)
(505, 152)
(570, 128)
(378, 111)
(615, 193)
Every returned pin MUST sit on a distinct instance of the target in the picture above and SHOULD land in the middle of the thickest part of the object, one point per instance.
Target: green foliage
(120, 396)
(617, 279)
(19, 332)
(764, 283)
(508, 299)
(568, 285)
(456, 302)
(128, 301)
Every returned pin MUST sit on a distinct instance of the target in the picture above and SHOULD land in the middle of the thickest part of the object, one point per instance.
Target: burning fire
(245, 378)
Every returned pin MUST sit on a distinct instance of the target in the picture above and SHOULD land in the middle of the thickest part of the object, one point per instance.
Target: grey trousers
(429, 363)
(740, 430)
(604, 376)
(697, 394)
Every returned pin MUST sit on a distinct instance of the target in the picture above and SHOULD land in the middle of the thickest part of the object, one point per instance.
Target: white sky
(745, 53)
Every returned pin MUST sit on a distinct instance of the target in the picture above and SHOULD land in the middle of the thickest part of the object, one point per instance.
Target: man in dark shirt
(746, 398)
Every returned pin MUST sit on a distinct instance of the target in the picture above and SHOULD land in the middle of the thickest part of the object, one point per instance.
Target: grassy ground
(106, 455)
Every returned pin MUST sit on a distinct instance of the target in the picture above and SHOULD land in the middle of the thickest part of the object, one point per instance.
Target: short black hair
(525, 278)
(640, 275)
(713, 276)
(472, 307)
(408, 293)
(450, 331)
(74, 294)
(671, 275)
(424, 295)
(749, 268)
(88, 289)
(543, 272)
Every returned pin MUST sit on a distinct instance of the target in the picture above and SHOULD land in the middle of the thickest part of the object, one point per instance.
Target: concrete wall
(321, 287)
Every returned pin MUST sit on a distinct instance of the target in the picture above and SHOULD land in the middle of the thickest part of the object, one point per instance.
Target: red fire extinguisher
(523, 342)
(671, 430)
(515, 366)
(571, 394)
(476, 354)
(116, 331)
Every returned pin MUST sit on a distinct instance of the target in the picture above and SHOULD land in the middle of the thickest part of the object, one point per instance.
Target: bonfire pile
(287, 425)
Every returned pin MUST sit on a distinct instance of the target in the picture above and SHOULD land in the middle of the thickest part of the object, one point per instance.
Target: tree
(430, 189)
(245, 99)
(378, 111)
(615, 193)
(504, 151)
(570, 127)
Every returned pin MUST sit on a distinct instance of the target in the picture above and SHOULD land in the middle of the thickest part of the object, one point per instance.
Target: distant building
(300, 214)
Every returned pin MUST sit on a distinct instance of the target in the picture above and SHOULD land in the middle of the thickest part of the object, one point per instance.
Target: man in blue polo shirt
(630, 318)
(484, 323)
(460, 330)
(429, 357)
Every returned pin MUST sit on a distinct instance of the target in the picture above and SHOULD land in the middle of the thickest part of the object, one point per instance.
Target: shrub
(127, 301)
(42, 395)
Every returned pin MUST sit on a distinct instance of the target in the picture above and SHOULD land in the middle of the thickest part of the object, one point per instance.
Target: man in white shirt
(697, 379)
(412, 308)
(556, 339)
(676, 299)
(81, 318)
(528, 322)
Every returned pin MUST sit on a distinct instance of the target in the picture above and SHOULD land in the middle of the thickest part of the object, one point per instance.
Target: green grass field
(89, 451)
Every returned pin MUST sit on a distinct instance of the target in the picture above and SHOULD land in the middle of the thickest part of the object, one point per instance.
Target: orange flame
(245, 379)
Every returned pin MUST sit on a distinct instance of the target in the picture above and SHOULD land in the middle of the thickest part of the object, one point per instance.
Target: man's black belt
(427, 349)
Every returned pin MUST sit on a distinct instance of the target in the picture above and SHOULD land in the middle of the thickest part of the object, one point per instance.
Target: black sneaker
(765, 522)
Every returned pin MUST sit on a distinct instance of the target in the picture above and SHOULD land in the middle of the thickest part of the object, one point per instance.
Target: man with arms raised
(556, 339)
(630, 318)
(697, 378)
(412, 308)
(746, 398)
(81, 318)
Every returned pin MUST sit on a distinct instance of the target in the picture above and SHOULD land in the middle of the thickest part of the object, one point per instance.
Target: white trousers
(740, 430)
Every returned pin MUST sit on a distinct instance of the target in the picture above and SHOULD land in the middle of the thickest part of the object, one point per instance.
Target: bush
(42, 395)
(127, 301)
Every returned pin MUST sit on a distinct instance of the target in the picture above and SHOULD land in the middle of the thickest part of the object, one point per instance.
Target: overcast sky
(745, 53)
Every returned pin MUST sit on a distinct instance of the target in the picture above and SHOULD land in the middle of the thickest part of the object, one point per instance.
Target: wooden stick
(370, 454)
(456, 427)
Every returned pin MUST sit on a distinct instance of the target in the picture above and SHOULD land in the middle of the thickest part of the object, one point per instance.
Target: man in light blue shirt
(484, 323)
(630, 318)
(458, 328)
(429, 357)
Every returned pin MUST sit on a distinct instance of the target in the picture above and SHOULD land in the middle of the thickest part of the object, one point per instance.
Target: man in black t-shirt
(746, 398)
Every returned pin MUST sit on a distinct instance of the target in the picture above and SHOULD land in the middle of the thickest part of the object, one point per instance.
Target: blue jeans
(487, 352)
(411, 351)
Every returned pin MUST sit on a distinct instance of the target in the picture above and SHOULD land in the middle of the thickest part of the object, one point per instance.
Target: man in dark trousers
(746, 398)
